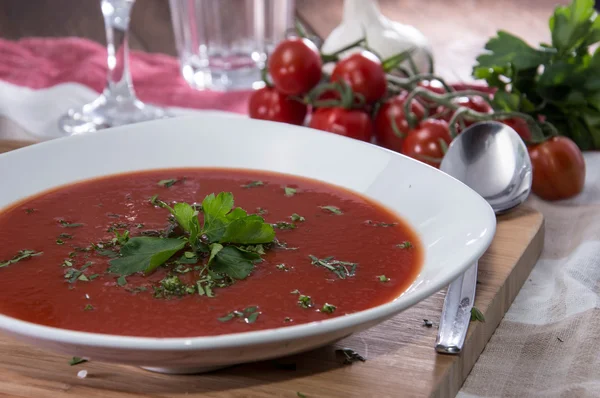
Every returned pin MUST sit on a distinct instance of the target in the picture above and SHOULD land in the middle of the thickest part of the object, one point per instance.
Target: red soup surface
(335, 253)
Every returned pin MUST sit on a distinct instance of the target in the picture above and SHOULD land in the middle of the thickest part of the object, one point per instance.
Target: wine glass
(118, 104)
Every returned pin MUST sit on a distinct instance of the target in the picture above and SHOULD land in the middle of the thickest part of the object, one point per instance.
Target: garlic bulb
(362, 18)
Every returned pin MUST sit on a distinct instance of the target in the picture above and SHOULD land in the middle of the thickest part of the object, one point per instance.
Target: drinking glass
(223, 44)
(118, 104)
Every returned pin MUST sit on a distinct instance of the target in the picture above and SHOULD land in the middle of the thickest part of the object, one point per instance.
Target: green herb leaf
(253, 184)
(404, 245)
(296, 217)
(168, 183)
(300, 395)
(122, 238)
(186, 216)
(215, 209)
(343, 269)
(121, 281)
(506, 49)
(282, 267)
(305, 301)
(477, 315)
(350, 355)
(235, 263)
(21, 255)
(328, 308)
(284, 225)
(289, 191)
(226, 318)
(76, 361)
(144, 254)
(332, 209)
(248, 230)
(67, 224)
(252, 317)
(383, 278)
(88, 307)
(574, 25)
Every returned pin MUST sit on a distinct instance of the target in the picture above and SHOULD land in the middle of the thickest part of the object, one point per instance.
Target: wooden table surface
(457, 29)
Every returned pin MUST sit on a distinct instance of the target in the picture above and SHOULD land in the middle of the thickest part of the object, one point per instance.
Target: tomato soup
(155, 254)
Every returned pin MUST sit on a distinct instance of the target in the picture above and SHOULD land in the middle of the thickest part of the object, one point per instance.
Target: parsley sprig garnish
(343, 269)
(21, 255)
(229, 243)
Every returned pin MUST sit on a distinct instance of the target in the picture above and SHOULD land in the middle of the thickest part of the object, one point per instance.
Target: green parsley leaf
(248, 230)
(284, 225)
(328, 308)
(289, 191)
(350, 355)
(506, 49)
(235, 263)
(67, 224)
(404, 245)
(253, 184)
(215, 248)
(29, 210)
(252, 317)
(305, 301)
(21, 255)
(168, 183)
(122, 238)
(282, 267)
(477, 315)
(226, 318)
(215, 209)
(186, 216)
(296, 217)
(60, 242)
(121, 281)
(343, 269)
(88, 307)
(144, 254)
(574, 25)
(332, 209)
(76, 361)
(383, 278)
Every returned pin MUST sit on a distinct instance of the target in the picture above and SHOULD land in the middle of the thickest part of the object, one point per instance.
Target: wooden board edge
(10, 145)
(478, 336)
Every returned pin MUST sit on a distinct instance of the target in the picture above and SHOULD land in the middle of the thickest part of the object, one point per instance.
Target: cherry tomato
(295, 66)
(558, 169)
(428, 141)
(520, 126)
(269, 104)
(353, 123)
(390, 113)
(364, 73)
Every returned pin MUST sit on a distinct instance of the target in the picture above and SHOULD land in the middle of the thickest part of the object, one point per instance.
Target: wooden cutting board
(401, 361)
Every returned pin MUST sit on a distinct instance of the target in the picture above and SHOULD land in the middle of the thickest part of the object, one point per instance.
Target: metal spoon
(492, 159)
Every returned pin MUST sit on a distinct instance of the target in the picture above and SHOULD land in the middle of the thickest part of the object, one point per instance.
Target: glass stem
(116, 21)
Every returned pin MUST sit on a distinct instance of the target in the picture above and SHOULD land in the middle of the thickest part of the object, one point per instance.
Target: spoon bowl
(492, 159)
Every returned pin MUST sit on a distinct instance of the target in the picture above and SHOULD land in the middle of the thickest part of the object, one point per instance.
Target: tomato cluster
(358, 101)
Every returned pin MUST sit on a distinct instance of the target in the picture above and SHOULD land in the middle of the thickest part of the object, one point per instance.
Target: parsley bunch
(222, 243)
(557, 82)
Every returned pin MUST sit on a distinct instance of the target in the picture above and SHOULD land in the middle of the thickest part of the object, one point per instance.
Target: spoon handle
(456, 313)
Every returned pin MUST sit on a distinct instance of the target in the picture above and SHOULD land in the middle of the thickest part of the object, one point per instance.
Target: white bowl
(455, 224)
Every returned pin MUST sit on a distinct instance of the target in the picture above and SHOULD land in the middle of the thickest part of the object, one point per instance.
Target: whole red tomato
(428, 142)
(390, 113)
(353, 123)
(558, 169)
(269, 104)
(295, 66)
(364, 73)
(520, 126)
